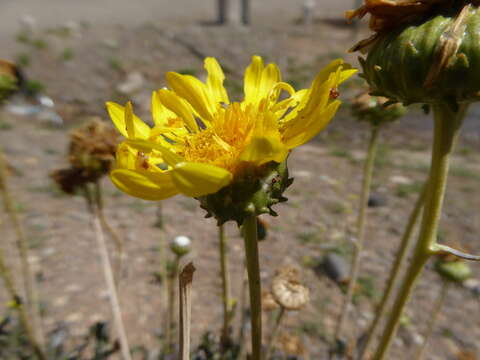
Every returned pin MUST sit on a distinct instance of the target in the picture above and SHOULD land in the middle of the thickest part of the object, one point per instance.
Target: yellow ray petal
(198, 179)
(259, 80)
(215, 81)
(157, 186)
(179, 106)
(117, 114)
(169, 156)
(160, 114)
(305, 131)
(263, 149)
(194, 91)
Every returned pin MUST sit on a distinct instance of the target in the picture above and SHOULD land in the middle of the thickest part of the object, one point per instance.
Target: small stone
(74, 317)
(302, 174)
(336, 268)
(376, 200)
(400, 180)
(472, 284)
(132, 83)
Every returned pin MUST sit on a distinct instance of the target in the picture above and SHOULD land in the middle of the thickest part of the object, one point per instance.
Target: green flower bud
(435, 59)
(252, 194)
(456, 271)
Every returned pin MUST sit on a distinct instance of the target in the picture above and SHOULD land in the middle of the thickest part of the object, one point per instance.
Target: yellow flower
(201, 141)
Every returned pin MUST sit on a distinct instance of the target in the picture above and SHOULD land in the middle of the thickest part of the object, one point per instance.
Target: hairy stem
(253, 269)
(447, 125)
(394, 277)
(361, 223)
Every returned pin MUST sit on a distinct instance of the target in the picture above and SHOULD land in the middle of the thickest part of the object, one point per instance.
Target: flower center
(223, 140)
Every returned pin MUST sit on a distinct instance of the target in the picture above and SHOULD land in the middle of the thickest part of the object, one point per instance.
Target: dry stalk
(109, 279)
(185, 309)
(31, 297)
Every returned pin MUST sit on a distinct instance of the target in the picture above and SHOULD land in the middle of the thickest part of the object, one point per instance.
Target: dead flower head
(288, 290)
(389, 14)
(91, 155)
(268, 302)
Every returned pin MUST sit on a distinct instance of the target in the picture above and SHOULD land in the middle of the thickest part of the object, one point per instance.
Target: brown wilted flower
(91, 155)
(288, 290)
(268, 301)
(389, 14)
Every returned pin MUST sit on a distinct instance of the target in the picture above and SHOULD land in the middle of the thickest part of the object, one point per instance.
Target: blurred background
(76, 55)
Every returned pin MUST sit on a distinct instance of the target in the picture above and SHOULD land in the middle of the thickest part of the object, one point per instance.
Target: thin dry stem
(22, 314)
(361, 223)
(109, 279)
(31, 296)
(185, 309)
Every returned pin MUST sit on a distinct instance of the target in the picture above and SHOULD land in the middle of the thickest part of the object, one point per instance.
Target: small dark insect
(334, 94)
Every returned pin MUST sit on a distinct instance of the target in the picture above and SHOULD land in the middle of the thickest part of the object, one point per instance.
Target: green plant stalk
(226, 301)
(22, 314)
(433, 319)
(405, 245)
(254, 284)
(274, 333)
(447, 126)
(163, 271)
(170, 311)
(361, 223)
(31, 295)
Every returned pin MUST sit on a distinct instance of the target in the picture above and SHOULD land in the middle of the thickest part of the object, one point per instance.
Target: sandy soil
(322, 207)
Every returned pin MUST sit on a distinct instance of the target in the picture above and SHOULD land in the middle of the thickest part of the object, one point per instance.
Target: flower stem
(273, 336)
(111, 231)
(172, 278)
(22, 314)
(253, 269)
(433, 318)
(226, 301)
(109, 279)
(361, 223)
(447, 125)
(403, 250)
(32, 303)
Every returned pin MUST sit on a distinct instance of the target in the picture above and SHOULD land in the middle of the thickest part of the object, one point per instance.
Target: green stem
(433, 319)
(447, 125)
(22, 314)
(253, 269)
(226, 301)
(361, 223)
(32, 303)
(273, 336)
(405, 245)
(171, 305)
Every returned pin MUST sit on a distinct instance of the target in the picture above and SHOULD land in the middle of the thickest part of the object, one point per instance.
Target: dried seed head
(288, 290)
(91, 155)
(268, 302)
